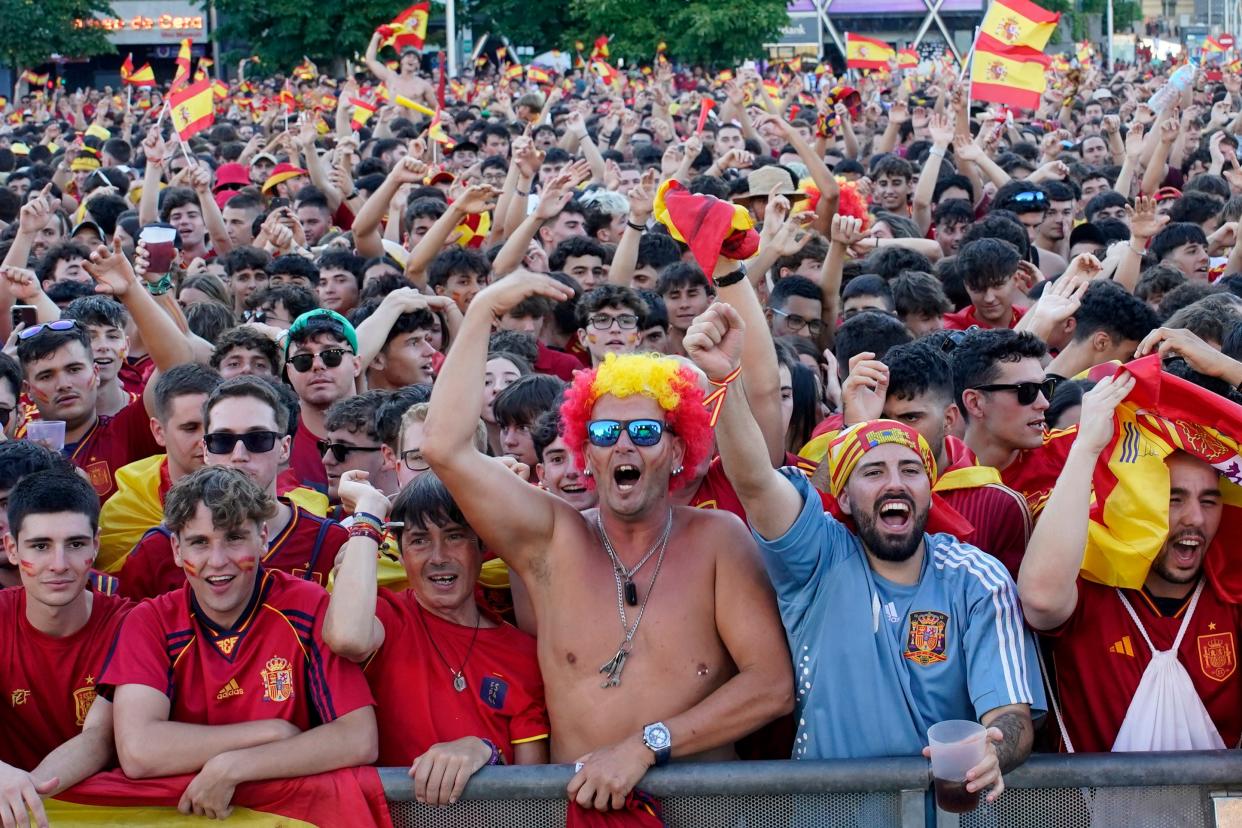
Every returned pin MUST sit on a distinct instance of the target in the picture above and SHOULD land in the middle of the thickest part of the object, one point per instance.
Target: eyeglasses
(602, 321)
(413, 460)
(331, 358)
(797, 323)
(58, 325)
(341, 450)
(642, 433)
(256, 442)
(1027, 392)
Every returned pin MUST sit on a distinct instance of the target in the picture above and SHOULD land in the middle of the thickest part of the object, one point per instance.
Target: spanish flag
(1010, 75)
(600, 49)
(537, 74)
(436, 133)
(907, 59)
(305, 70)
(1019, 23)
(606, 72)
(513, 71)
(35, 79)
(182, 76)
(204, 65)
(143, 76)
(192, 108)
(408, 29)
(349, 796)
(867, 53)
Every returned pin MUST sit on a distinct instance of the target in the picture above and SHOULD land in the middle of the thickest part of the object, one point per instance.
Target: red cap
(282, 172)
(232, 174)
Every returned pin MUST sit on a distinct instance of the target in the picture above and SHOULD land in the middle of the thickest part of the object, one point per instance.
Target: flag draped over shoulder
(867, 53)
(1019, 23)
(1010, 75)
(1130, 513)
(350, 796)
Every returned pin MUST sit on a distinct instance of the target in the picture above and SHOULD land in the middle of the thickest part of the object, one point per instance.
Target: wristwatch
(657, 738)
(733, 277)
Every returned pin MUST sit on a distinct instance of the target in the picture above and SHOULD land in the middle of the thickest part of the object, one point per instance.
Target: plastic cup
(161, 247)
(956, 747)
(50, 433)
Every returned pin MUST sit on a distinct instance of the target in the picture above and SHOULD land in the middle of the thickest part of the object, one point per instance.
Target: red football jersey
(306, 549)
(716, 492)
(135, 373)
(271, 664)
(114, 442)
(558, 363)
(966, 318)
(305, 461)
(1100, 656)
(49, 683)
(416, 705)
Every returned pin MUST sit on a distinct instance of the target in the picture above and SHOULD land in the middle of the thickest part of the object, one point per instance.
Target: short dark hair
(19, 458)
(1174, 236)
(522, 402)
(1003, 225)
(657, 250)
(181, 381)
(979, 353)
(245, 337)
(296, 299)
(246, 258)
(456, 260)
(609, 296)
(868, 331)
(174, 198)
(544, 431)
(986, 263)
(426, 500)
(681, 275)
(209, 319)
(792, 286)
(356, 413)
(1210, 318)
(918, 368)
(50, 492)
(1195, 207)
(576, 246)
(869, 285)
(892, 166)
(1009, 197)
(915, 292)
(343, 260)
(294, 265)
(1107, 306)
(97, 311)
(657, 311)
(954, 211)
(231, 496)
(57, 253)
(255, 388)
(390, 412)
(890, 261)
(1103, 201)
(47, 342)
(1158, 279)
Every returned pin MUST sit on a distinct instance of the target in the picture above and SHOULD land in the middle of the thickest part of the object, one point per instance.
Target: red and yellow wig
(673, 386)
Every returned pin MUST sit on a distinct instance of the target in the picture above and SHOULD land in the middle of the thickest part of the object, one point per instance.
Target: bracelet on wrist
(642, 228)
(522, 193)
(159, 288)
(363, 530)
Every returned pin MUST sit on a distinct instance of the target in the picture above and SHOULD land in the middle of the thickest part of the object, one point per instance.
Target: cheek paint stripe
(246, 566)
(189, 568)
(27, 567)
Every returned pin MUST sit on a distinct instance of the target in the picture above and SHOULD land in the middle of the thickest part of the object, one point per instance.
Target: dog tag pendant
(631, 593)
(614, 667)
(459, 682)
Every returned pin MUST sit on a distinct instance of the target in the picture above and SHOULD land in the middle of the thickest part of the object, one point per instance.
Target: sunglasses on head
(642, 433)
(1027, 392)
(331, 357)
(341, 450)
(58, 325)
(1029, 196)
(256, 442)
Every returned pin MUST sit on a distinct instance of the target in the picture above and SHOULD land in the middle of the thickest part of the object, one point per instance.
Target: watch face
(656, 736)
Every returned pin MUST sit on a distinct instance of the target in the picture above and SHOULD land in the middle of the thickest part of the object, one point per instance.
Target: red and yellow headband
(849, 446)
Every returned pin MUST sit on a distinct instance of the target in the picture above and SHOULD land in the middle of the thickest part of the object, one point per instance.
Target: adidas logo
(229, 690)
(1122, 647)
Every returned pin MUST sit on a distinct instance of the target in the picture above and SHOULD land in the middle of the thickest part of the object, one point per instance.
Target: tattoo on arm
(1019, 735)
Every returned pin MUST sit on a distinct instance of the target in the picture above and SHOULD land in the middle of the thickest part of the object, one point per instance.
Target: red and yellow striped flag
(143, 76)
(907, 59)
(867, 53)
(182, 76)
(1010, 75)
(1019, 23)
(35, 79)
(537, 74)
(436, 132)
(600, 49)
(363, 110)
(192, 108)
(408, 29)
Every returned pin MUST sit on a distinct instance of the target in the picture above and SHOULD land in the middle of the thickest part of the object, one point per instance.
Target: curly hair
(673, 386)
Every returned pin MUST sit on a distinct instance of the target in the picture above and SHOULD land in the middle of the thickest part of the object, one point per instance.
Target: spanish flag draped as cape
(349, 796)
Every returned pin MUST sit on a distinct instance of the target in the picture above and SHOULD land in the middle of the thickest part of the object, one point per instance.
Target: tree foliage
(696, 31)
(541, 24)
(280, 32)
(31, 31)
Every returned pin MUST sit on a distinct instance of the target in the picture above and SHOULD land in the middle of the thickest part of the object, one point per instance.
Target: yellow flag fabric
(128, 514)
(1019, 23)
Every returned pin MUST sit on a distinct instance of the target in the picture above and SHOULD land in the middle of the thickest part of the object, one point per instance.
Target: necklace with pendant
(459, 677)
(628, 593)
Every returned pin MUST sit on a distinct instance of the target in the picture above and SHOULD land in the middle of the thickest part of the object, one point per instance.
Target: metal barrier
(1150, 790)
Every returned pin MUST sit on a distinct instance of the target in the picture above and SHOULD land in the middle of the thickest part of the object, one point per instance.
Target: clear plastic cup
(956, 747)
(50, 433)
(161, 250)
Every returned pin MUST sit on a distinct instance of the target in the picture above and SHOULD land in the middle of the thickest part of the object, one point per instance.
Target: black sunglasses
(256, 442)
(1027, 392)
(59, 325)
(642, 433)
(331, 358)
(340, 450)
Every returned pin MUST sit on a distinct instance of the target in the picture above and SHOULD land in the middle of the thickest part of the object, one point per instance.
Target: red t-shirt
(965, 318)
(271, 664)
(1000, 517)
(114, 442)
(557, 363)
(150, 570)
(716, 492)
(135, 372)
(833, 422)
(416, 704)
(305, 462)
(1100, 656)
(48, 683)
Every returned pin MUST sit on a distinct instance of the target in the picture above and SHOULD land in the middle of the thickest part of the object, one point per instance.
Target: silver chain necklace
(626, 590)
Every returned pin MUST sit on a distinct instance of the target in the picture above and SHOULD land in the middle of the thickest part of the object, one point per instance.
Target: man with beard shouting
(927, 627)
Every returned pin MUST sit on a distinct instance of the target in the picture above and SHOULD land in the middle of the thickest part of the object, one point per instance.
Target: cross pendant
(614, 667)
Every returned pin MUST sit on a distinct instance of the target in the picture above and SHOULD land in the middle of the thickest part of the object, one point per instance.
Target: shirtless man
(407, 83)
(677, 687)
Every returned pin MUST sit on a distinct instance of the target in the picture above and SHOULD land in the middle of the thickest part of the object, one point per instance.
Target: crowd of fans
(452, 447)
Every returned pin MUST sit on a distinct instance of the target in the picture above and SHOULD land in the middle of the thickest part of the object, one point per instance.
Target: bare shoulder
(718, 532)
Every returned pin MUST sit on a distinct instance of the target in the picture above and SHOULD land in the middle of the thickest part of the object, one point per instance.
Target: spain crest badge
(277, 680)
(925, 643)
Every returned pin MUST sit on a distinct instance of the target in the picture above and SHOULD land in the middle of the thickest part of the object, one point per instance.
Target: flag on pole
(192, 108)
(287, 98)
(867, 53)
(408, 29)
(363, 110)
(127, 67)
(907, 59)
(600, 50)
(1019, 23)
(437, 133)
(143, 76)
(204, 65)
(605, 71)
(537, 74)
(36, 79)
(1010, 75)
(182, 76)
(513, 71)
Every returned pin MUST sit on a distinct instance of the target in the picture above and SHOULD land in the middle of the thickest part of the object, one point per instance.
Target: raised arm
(511, 517)
(366, 230)
(1145, 222)
(375, 66)
(552, 200)
(625, 259)
(350, 628)
(479, 198)
(153, 151)
(942, 128)
(200, 178)
(772, 504)
(1156, 166)
(1048, 578)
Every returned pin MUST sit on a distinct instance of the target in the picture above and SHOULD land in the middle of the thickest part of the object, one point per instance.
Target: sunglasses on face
(58, 325)
(256, 442)
(331, 358)
(1027, 392)
(341, 450)
(642, 433)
